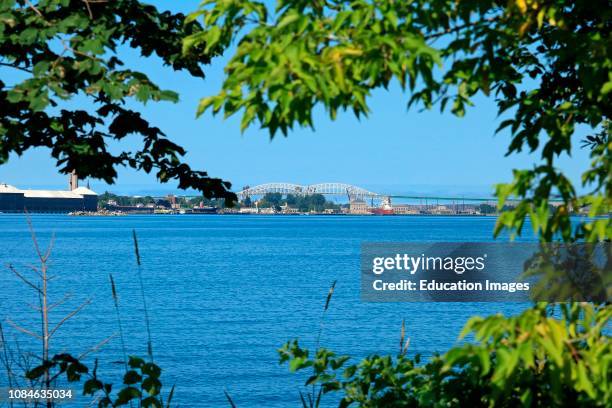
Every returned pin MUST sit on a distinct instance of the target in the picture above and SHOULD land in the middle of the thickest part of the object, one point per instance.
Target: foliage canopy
(545, 62)
(59, 52)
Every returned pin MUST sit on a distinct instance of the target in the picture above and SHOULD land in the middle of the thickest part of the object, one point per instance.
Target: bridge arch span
(340, 189)
(283, 188)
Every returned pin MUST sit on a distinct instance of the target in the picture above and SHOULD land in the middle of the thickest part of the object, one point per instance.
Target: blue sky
(393, 151)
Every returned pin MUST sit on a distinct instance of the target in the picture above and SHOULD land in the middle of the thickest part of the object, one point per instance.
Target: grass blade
(144, 298)
(169, 400)
(229, 399)
(329, 295)
(116, 302)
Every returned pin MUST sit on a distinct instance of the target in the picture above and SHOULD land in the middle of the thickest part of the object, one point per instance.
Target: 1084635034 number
(35, 394)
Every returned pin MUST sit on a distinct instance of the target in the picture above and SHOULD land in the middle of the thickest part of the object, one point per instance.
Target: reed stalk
(144, 298)
(314, 399)
(119, 324)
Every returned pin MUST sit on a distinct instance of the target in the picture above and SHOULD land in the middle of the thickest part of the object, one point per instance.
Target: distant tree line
(306, 203)
(104, 199)
(183, 202)
(491, 209)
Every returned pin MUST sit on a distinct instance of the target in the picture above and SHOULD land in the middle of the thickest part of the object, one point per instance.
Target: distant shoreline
(98, 214)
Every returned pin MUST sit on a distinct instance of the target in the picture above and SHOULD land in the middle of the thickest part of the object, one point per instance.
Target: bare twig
(89, 2)
(50, 247)
(33, 7)
(23, 278)
(97, 346)
(67, 47)
(22, 329)
(84, 354)
(88, 8)
(69, 316)
(60, 302)
(35, 269)
(34, 307)
(33, 234)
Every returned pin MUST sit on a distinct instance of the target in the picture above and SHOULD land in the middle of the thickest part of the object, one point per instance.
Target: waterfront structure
(248, 210)
(405, 209)
(441, 210)
(203, 210)
(358, 207)
(78, 198)
(133, 209)
(285, 209)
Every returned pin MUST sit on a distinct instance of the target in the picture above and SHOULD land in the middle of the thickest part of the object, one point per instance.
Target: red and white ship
(385, 208)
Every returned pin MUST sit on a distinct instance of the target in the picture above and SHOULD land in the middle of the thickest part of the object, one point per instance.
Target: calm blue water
(224, 292)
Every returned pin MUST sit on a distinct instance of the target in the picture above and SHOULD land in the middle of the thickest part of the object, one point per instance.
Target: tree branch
(5, 64)
(97, 346)
(23, 330)
(33, 7)
(50, 247)
(34, 239)
(460, 27)
(59, 302)
(23, 278)
(88, 8)
(69, 316)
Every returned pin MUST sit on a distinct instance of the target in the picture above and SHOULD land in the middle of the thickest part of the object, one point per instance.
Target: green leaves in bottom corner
(541, 357)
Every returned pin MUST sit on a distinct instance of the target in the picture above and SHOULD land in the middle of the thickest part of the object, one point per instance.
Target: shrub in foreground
(534, 359)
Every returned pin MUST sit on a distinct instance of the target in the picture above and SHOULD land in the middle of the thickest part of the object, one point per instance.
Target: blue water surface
(225, 292)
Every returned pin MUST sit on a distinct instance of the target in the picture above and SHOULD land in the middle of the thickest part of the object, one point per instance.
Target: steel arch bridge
(338, 189)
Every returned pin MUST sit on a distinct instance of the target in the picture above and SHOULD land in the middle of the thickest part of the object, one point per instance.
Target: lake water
(225, 292)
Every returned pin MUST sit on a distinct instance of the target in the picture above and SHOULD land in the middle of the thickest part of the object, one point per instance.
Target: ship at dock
(385, 208)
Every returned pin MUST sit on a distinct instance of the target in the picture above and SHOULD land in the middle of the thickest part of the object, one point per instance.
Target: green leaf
(135, 362)
(204, 104)
(287, 19)
(298, 363)
(151, 385)
(127, 394)
(131, 377)
(92, 386)
(151, 369)
(212, 38)
(606, 88)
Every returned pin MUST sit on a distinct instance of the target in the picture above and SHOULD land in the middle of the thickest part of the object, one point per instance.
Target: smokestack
(73, 181)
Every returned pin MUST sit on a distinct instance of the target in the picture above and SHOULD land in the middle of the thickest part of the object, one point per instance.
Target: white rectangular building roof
(76, 193)
(50, 194)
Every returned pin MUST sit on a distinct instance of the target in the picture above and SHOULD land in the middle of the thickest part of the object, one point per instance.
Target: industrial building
(48, 201)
